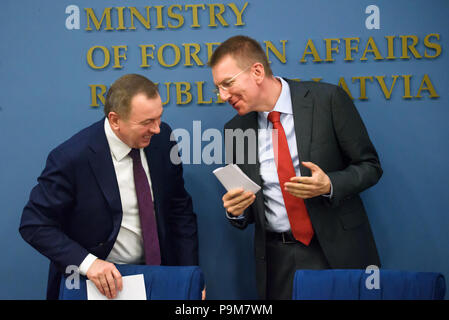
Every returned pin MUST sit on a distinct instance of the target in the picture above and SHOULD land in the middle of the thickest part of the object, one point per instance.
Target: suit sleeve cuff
(330, 194)
(87, 262)
(240, 217)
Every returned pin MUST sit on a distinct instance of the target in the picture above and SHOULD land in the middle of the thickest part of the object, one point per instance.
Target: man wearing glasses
(312, 165)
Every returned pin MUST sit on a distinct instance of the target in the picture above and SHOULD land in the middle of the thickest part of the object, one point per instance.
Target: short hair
(245, 50)
(121, 92)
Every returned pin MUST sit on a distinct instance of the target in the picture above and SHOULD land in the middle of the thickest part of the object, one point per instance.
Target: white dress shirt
(128, 248)
(275, 212)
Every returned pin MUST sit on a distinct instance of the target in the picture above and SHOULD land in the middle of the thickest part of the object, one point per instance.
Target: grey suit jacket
(331, 134)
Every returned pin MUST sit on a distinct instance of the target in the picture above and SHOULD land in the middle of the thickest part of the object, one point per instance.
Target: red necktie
(296, 209)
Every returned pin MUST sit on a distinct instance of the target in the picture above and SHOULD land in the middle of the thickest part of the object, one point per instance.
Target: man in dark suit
(309, 214)
(107, 195)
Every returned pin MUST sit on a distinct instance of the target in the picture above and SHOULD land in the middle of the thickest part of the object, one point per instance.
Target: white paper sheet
(232, 177)
(133, 289)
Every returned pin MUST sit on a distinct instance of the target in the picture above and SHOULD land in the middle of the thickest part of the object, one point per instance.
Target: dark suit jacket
(75, 208)
(331, 134)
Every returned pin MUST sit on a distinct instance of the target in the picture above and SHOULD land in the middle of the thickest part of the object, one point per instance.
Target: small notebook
(133, 289)
(232, 177)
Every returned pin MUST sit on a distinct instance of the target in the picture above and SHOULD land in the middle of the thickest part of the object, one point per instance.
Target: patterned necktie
(296, 209)
(146, 211)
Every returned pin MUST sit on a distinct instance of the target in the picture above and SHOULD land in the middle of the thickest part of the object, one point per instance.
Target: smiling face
(141, 124)
(242, 89)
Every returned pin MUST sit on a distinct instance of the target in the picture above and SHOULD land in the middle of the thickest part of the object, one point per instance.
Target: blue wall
(45, 98)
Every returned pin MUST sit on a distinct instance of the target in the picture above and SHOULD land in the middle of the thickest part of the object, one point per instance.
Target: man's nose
(224, 94)
(155, 129)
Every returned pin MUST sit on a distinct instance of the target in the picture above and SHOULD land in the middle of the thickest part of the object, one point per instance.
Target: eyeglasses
(227, 83)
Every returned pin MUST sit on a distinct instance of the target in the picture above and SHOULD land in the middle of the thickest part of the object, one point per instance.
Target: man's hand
(309, 187)
(236, 201)
(106, 278)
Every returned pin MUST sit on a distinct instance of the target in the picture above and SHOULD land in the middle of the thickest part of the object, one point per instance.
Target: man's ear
(258, 71)
(114, 118)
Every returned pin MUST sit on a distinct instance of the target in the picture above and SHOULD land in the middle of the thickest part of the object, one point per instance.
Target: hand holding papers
(133, 289)
(236, 201)
(232, 177)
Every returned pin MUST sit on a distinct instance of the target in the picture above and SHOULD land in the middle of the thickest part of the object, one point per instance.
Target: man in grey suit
(314, 218)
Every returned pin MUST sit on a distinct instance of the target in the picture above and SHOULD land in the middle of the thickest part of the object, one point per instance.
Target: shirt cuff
(87, 262)
(229, 216)
(329, 195)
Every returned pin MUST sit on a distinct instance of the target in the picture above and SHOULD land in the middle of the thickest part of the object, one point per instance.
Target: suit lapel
(303, 118)
(154, 166)
(157, 167)
(252, 170)
(100, 160)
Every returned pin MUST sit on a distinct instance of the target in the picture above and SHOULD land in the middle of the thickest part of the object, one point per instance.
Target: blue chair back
(161, 282)
(356, 284)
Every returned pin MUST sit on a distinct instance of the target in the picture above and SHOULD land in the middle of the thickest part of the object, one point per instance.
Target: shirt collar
(118, 148)
(284, 102)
